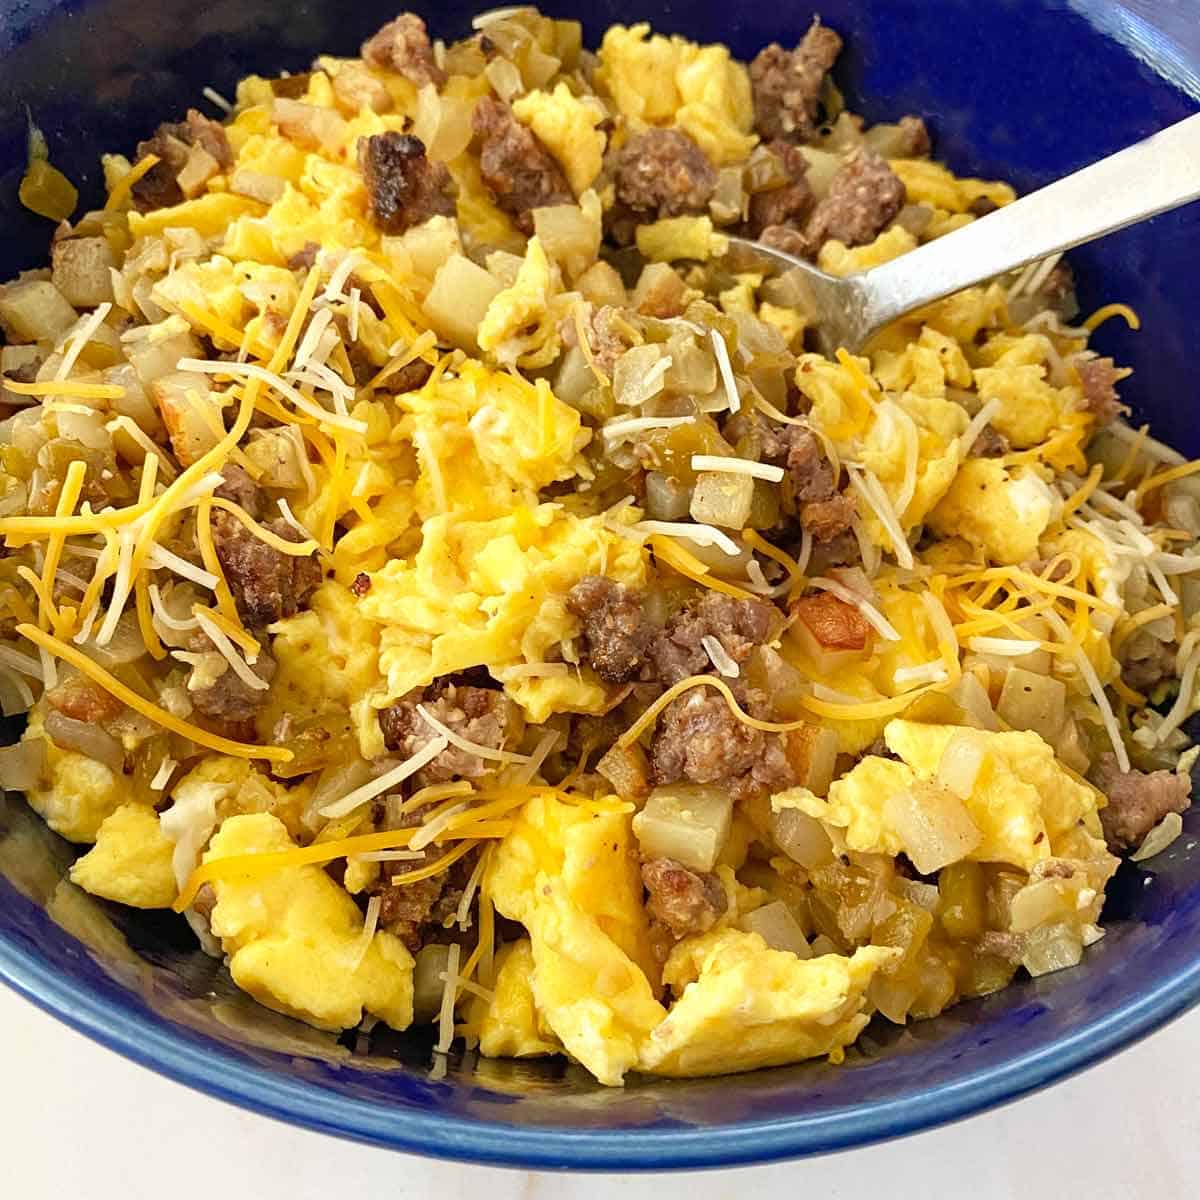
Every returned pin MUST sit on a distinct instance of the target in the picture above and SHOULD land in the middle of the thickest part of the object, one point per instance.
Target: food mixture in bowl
(440, 570)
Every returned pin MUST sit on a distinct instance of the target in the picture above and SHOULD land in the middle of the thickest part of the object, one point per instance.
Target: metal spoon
(1160, 173)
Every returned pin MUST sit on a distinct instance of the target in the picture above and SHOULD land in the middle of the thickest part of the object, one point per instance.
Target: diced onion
(1159, 838)
(776, 925)
(86, 739)
(21, 764)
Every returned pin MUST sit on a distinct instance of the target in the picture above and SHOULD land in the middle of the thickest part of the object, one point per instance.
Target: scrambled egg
(930, 183)
(131, 860)
(509, 1024)
(1001, 511)
(521, 324)
(654, 80)
(240, 788)
(295, 939)
(836, 258)
(491, 592)
(327, 660)
(570, 876)
(487, 441)
(75, 794)
(674, 238)
(1026, 806)
(567, 125)
(743, 1005)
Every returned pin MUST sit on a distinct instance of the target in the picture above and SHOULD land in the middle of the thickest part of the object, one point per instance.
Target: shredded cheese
(978, 423)
(632, 425)
(702, 535)
(689, 566)
(1006, 647)
(229, 653)
(151, 711)
(870, 613)
(872, 493)
(737, 466)
(726, 369)
(163, 775)
(1113, 310)
(437, 825)
(449, 993)
(64, 387)
(464, 744)
(719, 657)
(386, 781)
(123, 186)
(370, 925)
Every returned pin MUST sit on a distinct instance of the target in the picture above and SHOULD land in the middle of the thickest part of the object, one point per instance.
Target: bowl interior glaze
(1015, 89)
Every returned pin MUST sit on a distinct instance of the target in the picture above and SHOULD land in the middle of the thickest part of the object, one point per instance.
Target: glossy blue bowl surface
(1019, 89)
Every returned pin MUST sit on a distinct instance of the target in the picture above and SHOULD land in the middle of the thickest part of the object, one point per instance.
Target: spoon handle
(1150, 177)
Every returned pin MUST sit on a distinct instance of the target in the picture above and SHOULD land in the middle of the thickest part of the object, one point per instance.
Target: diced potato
(802, 838)
(34, 310)
(1032, 701)
(569, 236)
(459, 300)
(13, 359)
(190, 413)
(812, 752)
(777, 927)
(626, 768)
(102, 348)
(82, 270)
(308, 124)
(667, 498)
(355, 88)
(1071, 747)
(722, 499)
(686, 822)
(257, 185)
(134, 403)
(933, 824)
(197, 171)
(1052, 948)
(600, 284)
(153, 356)
(425, 248)
(660, 292)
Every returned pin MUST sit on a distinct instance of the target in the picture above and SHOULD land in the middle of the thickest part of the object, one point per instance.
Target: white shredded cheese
(80, 339)
(214, 97)
(737, 466)
(523, 773)
(702, 535)
(228, 651)
(930, 672)
(462, 915)
(122, 587)
(464, 744)
(386, 781)
(726, 369)
(163, 775)
(355, 304)
(432, 830)
(279, 384)
(163, 615)
(719, 657)
(978, 423)
(337, 280)
(449, 993)
(871, 490)
(160, 556)
(370, 925)
(1007, 647)
(872, 615)
(285, 510)
(621, 429)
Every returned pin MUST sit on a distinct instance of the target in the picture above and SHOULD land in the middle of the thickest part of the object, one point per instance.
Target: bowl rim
(142, 1039)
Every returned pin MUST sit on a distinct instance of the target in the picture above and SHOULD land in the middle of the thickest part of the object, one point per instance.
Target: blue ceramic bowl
(1018, 89)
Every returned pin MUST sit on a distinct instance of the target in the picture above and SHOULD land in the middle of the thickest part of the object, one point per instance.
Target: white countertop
(79, 1121)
